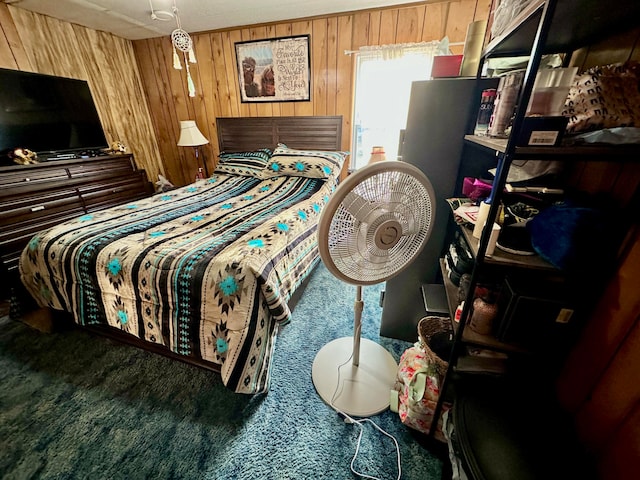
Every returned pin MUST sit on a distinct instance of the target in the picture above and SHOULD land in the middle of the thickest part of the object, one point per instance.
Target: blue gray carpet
(75, 406)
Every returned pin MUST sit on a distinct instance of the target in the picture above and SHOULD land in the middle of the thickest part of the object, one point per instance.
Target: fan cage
(379, 194)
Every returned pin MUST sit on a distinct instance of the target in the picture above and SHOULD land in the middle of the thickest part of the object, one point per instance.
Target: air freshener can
(486, 109)
(505, 104)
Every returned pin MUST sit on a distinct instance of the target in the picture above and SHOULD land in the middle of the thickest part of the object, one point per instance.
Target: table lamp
(190, 136)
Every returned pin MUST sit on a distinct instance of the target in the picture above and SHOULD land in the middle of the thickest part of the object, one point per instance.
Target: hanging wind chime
(180, 40)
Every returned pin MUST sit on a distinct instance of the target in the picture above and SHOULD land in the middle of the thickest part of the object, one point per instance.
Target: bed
(203, 273)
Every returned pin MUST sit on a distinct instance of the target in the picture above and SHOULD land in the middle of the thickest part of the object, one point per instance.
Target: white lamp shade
(190, 136)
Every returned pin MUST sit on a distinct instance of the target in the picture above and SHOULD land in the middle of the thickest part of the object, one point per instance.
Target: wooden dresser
(35, 197)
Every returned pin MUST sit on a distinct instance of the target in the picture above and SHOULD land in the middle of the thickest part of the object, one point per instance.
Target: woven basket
(427, 327)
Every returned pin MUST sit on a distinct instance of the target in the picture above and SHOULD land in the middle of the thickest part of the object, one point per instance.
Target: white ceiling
(132, 18)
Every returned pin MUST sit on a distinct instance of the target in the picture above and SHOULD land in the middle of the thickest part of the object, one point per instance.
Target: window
(383, 86)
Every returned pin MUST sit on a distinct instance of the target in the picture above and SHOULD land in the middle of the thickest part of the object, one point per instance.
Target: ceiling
(132, 19)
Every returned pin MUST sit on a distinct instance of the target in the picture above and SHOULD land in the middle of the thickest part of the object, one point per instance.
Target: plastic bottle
(481, 219)
(458, 314)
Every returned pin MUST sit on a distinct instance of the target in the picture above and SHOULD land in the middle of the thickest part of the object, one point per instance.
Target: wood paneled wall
(41, 44)
(599, 384)
(216, 76)
(141, 98)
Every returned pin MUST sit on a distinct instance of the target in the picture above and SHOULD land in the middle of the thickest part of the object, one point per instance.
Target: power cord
(348, 419)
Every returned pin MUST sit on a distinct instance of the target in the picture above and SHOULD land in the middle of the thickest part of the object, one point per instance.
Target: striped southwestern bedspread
(205, 270)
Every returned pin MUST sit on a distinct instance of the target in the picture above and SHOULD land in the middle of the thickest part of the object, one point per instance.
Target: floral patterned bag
(420, 374)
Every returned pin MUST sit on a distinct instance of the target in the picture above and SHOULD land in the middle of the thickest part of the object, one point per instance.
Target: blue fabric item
(574, 238)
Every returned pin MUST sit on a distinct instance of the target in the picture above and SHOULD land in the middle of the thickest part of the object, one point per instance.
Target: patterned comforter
(205, 270)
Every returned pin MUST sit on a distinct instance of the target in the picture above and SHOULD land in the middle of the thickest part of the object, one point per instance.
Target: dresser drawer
(40, 196)
(19, 209)
(14, 239)
(99, 195)
(31, 179)
(110, 168)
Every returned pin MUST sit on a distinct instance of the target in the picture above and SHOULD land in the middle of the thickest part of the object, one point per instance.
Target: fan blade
(357, 206)
(402, 206)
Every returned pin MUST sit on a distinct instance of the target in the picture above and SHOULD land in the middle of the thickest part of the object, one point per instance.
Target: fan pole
(357, 325)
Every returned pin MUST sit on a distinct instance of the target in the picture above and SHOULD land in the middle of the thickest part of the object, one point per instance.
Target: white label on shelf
(564, 316)
(38, 208)
(543, 137)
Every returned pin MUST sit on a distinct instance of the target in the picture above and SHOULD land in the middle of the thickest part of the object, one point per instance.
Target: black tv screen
(47, 114)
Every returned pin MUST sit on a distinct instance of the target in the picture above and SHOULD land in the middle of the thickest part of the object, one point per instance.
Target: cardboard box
(446, 66)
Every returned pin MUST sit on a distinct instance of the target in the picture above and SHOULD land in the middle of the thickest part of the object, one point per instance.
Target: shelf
(469, 336)
(564, 152)
(575, 24)
(505, 259)
(497, 144)
(479, 364)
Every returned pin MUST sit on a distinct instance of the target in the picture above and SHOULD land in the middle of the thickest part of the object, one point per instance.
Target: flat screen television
(47, 114)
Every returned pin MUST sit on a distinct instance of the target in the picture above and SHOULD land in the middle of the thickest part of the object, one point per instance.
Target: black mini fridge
(441, 112)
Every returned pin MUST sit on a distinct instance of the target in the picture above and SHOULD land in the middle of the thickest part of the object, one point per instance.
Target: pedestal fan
(373, 226)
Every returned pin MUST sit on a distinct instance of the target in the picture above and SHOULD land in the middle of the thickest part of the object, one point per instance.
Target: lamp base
(359, 391)
(204, 161)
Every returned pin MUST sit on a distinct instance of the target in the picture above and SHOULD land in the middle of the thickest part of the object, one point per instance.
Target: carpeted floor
(75, 406)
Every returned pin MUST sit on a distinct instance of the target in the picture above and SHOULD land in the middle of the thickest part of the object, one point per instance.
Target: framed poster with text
(274, 70)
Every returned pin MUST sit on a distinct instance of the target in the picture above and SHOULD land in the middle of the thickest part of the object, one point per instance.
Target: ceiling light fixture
(161, 15)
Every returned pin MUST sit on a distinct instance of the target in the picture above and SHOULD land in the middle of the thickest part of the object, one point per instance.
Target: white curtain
(382, 87)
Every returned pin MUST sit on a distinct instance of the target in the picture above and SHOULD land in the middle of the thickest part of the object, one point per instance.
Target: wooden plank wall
(216, 76)
(599, 384)
(42, 44)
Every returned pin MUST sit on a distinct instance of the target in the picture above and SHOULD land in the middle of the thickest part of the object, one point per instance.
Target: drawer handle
(38, 208)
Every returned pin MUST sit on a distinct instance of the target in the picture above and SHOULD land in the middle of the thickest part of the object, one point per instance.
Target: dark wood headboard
(250, 133)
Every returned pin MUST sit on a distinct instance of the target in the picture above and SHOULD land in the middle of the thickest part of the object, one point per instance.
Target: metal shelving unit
(544, 26)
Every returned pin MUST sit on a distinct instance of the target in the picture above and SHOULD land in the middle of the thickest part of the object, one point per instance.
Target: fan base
(363, 390)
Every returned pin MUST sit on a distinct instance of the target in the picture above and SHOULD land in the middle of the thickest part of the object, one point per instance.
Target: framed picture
(274, 70)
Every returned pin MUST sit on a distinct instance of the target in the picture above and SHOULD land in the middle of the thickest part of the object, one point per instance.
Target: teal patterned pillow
(304, 163)
(248, 164)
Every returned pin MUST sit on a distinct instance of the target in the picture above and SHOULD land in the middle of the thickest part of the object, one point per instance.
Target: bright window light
(383, 85)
